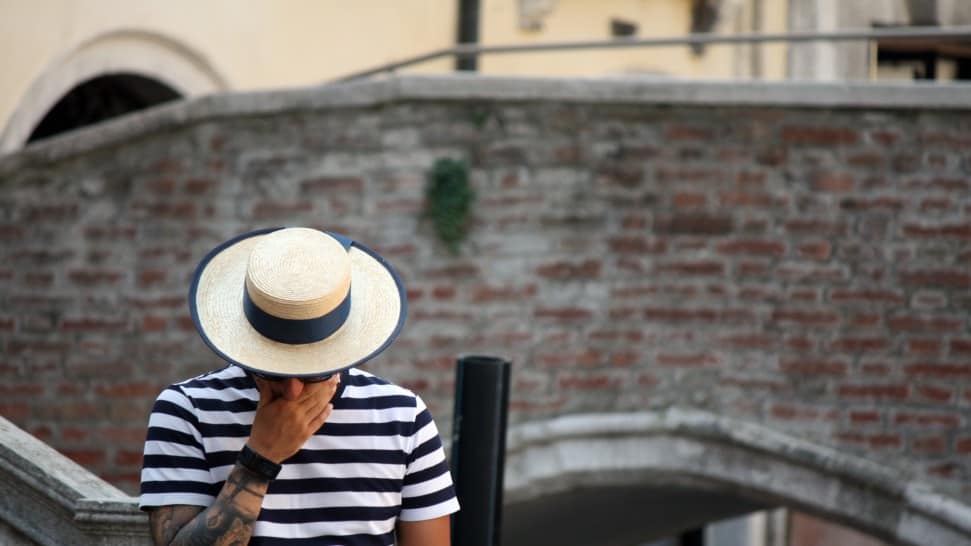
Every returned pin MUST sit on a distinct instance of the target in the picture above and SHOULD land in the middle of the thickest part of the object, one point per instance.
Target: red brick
(637, 245)
(795, 272)
(563, 314)
(331, 184)
(927, 419)
(93, 324)
(127, 457)
(92, 277)
(694, 224)
(807, 317)
(689, 200)
(264, 210)
(562, 270)
(931, 323)
(756, 341)
(929, 445)
(693, 133)
(936, 278)
(692, 360)
(443, 292)
(813, 367)
(177, 210)
(457, 271)
(688, 175)
(815, 227)
(924, 346)
(962, 446)
(85, 457)
(154, 324)
(952, 370)
(583, 359)
(589, 381)
(833, 182)
(934, 393)
(752, 247)
(857, 344)
(866, 296)
(959, 231)
(819, 251)
(692, 268)
(864, 417)
(880, 441)
(880, 391)
(819, 136)
(753, 199)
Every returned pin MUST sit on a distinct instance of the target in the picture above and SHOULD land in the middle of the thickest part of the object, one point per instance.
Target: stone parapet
(50, 500)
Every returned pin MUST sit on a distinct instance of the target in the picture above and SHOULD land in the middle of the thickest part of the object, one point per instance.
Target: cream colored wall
(242, 45)
(49, 46)
(575, 20)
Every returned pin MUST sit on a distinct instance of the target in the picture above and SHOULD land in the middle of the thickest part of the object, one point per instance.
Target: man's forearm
(229, 520)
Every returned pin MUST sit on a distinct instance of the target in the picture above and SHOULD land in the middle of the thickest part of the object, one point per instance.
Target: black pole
(468, 33)
(479, 448)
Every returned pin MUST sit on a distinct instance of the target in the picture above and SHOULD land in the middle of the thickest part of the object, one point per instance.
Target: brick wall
(801, 266)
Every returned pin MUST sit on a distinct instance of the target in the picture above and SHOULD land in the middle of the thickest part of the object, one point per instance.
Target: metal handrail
(468, 50)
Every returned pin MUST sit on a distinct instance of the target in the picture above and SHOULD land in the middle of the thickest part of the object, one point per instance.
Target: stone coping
(461, 87)
(53, 500)
(701, 449)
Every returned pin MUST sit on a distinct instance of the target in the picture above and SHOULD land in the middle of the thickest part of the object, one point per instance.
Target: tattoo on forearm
(228, 521)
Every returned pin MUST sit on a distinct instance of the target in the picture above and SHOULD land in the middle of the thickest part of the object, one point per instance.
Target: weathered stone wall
(793, 256)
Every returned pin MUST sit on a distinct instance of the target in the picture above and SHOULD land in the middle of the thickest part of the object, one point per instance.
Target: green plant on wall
(449, 199)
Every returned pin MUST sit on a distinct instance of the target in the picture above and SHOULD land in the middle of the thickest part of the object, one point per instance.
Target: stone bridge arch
(585, 460)
(143, 53)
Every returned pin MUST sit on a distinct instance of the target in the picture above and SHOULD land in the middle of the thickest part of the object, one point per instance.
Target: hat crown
(298, 274)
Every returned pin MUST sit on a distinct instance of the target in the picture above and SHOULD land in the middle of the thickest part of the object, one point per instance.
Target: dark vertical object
(694, 537)
(479, 448)
(468, 33)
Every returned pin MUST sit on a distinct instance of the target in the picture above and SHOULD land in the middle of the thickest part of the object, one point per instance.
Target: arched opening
(647, 476)
(99, 99)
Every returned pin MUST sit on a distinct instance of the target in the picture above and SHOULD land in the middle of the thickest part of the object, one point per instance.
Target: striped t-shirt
(376, 460)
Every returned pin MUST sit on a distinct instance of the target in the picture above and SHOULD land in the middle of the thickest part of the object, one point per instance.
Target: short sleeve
(174, 467)
(428, 491)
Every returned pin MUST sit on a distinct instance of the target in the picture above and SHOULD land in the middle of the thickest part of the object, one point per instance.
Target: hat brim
(377, 314)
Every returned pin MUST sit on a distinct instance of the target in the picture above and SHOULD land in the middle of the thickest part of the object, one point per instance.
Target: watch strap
(258, 464)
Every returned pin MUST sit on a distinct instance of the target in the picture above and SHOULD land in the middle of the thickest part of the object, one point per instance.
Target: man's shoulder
(364, 383)
(224, 379)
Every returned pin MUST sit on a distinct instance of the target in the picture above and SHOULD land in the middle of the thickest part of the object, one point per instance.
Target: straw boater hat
(296, 302)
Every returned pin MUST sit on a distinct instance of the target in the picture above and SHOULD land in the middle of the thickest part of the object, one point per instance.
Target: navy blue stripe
(344, 540)
(178, 487)
(175, 410)
(430, 499)
(333, 513)
(427, 474)
(233, 406)
(391, 428)
(160, 434)
(243, 382)
(377, 402)
(328, 485)
(430, 445)
(296, 331)
(171, 461)
(326, 456)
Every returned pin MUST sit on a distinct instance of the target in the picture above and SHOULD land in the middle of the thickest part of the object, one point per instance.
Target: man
(291, 443)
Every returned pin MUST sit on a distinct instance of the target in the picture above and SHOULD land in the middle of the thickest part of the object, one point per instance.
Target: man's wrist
(258, 464)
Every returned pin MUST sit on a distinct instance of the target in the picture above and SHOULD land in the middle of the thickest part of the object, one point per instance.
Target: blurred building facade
(142, 53)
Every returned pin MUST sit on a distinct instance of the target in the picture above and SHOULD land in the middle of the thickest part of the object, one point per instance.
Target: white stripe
(371, 416)
(368, 391)
(430, 512)
(168, 499)
(332, 500)
(386, 443)
(323, 528)
(342, 470)
(177, 474)
(154, 447)
(435, 484)
(226, 417)
(427, 461)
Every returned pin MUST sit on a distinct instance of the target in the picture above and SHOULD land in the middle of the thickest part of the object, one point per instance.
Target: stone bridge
(758, 291)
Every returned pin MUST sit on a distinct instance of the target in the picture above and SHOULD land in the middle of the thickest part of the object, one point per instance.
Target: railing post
(479, 448)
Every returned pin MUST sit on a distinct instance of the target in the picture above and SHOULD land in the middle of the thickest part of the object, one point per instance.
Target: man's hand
(288, 413)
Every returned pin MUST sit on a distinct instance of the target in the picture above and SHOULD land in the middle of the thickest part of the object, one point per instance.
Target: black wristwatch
(258, 464)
